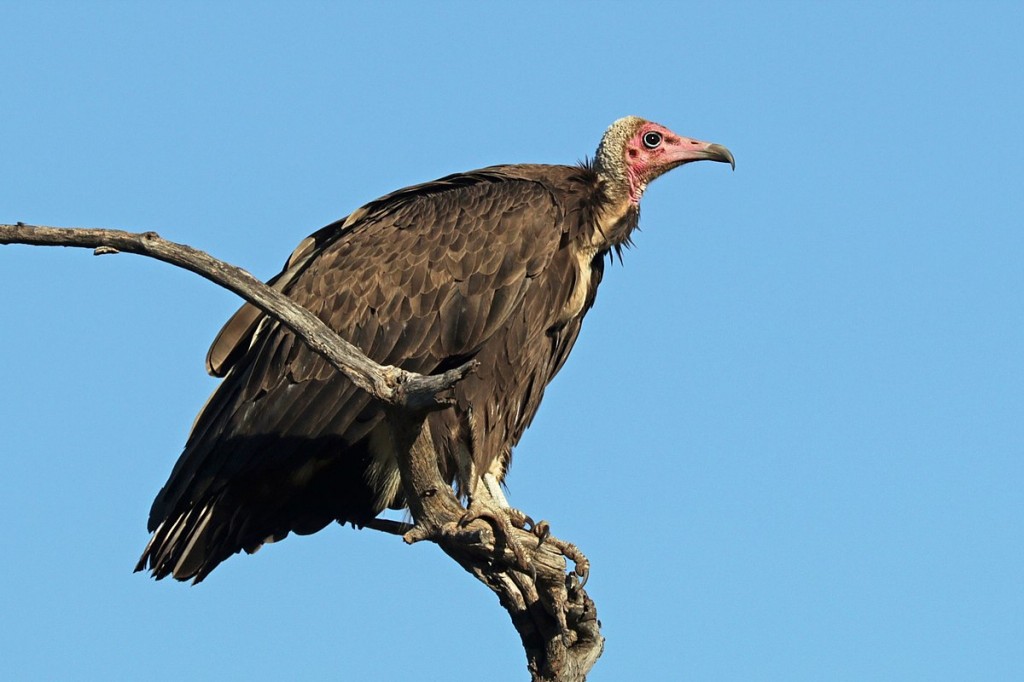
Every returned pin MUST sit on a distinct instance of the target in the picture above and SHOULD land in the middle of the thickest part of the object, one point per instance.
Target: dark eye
(652, 139)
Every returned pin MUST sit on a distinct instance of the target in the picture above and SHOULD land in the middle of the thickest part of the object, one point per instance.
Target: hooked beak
(687, 150)
(716, 152)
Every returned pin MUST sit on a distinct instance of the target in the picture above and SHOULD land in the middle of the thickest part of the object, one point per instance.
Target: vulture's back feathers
(473, 265)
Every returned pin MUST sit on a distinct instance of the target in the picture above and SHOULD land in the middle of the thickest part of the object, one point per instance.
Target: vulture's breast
(584, 256)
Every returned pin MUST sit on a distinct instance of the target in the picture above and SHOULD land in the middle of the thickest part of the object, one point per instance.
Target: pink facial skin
(655, 149)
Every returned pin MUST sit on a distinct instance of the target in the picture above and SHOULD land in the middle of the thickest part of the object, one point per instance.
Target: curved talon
(528, 521)
(584, 576)
(532, 570)
(543, 531)
(572, 552)
(582, 569)
(518, 518)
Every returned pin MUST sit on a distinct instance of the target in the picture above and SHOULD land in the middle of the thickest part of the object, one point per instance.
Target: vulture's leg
(494, 488)
(542, 530)
(517, 517)
(488, 502)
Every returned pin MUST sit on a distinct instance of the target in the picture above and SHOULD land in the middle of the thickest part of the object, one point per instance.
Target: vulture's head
(634, 151)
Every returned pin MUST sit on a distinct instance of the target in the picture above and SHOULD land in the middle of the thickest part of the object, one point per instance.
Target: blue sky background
(789, 439)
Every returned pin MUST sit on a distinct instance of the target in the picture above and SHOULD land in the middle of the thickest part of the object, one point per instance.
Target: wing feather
(422, 278)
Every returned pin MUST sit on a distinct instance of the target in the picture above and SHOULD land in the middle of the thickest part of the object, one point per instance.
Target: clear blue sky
(790, 438)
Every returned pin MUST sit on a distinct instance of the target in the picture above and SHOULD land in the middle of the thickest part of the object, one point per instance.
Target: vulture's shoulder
(461, 214)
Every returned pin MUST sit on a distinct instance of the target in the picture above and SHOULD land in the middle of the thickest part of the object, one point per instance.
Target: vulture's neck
(618, 210)
(620, 193)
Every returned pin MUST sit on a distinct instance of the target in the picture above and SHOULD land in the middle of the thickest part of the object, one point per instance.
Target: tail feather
(184, 548)
(314, 482)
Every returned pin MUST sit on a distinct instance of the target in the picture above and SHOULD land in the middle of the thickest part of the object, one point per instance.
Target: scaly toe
(504, 521)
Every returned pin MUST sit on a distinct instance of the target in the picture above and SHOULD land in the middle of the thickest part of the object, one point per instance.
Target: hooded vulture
(498, 265)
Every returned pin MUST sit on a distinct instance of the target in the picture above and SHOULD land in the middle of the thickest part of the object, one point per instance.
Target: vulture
(499, 265)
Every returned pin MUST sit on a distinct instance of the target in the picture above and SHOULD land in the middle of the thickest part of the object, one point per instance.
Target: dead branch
(556, 620)
(392, 385)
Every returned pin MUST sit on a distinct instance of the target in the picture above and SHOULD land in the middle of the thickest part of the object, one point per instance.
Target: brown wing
(424, 279)
(235, 336)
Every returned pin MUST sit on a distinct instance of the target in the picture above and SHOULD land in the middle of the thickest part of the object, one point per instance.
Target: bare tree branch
(390, 384)
(556, 620)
